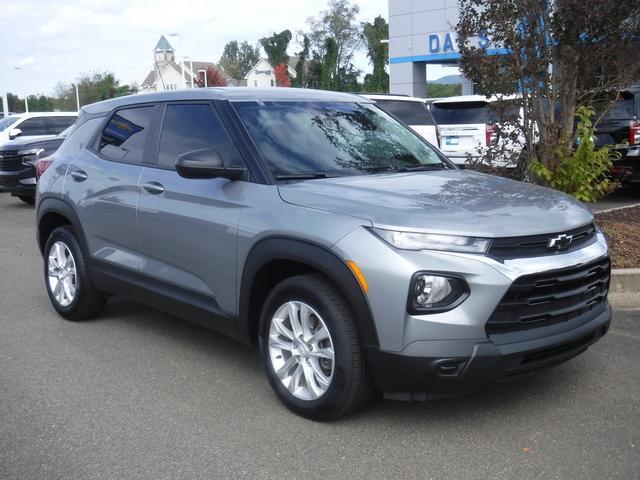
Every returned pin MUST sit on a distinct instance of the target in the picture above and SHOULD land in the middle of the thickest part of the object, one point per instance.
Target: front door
(188, 227)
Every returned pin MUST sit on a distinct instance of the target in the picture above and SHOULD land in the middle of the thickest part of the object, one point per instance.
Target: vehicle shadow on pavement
(225, 358)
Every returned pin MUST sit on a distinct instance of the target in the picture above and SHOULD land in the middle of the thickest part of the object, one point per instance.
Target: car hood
(449, 201)
(32, 142)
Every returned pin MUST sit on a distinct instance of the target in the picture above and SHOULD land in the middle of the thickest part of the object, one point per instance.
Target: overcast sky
(54, 41)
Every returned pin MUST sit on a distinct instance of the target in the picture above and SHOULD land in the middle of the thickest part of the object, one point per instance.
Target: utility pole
(77, 97)
(5, 102)
(184, 83)
(26, 99)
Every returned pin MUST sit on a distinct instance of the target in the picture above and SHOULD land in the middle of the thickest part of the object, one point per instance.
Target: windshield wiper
(424, 168)
(301, 176)
(415, 168)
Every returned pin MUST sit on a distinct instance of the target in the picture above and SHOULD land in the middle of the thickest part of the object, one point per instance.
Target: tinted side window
(411, 113)
(34, 126)
(194, 127)
(58, 124)
(124, 137)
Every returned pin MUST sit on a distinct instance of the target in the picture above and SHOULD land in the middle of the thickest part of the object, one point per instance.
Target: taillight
(492, 134)
(42, 164)
(634, 135)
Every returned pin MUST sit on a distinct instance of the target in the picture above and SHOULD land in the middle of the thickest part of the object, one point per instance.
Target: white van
(469, 123)
(411, 110)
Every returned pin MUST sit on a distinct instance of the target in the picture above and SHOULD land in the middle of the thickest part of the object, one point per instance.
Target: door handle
(153, 188)
(79, 175)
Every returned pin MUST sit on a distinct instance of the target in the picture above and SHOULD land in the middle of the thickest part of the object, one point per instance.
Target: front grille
(557, 296)
(10, 161)
(538, 245)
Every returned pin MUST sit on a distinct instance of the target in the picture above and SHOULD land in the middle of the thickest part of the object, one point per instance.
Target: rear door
(463, 127)
(415, 114)
(188, 227)
(103, 184)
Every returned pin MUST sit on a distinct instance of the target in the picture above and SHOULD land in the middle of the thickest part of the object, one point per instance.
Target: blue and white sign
(446, 42)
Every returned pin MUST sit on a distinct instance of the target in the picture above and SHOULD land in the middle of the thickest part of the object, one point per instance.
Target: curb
(613, 209)
(625, 280)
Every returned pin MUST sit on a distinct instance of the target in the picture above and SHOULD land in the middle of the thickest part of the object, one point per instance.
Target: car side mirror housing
(14, 132)
(206, 163)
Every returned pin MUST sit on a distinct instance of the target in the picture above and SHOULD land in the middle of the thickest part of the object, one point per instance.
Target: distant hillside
(447, 80)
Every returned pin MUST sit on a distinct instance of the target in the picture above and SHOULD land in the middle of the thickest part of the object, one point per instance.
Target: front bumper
(451, 351)
(19, 182)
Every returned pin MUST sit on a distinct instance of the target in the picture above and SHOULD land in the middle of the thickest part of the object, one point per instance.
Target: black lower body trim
(163, 296)
(393, 372)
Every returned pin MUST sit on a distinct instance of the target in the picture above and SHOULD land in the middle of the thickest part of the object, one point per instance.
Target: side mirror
(14, 132)
(206, 163)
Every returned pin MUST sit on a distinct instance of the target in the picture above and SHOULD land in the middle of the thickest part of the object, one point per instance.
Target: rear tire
(28, 200)
(321, 370)
(67, 277)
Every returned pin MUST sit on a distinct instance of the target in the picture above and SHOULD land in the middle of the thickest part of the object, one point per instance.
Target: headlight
(30, 155)
(432, 241)
(435, 293)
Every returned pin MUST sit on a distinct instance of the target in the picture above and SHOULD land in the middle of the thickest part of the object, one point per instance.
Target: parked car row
(463, 126)
(24, 139)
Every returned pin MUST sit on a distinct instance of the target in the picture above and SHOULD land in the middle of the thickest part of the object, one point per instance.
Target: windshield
(460, 113)
(411, 113)
(7, 122)
(333, 138)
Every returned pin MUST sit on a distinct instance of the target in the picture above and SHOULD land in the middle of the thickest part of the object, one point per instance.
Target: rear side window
(191, 127)
(34, 126)
(59, 124)
(124, 137)
(411, 113)
(79, 137)
(460, 113)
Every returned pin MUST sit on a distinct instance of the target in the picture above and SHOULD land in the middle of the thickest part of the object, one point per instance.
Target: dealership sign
(446, 42)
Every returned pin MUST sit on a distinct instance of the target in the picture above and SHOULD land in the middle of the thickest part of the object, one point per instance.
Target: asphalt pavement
(139, 394)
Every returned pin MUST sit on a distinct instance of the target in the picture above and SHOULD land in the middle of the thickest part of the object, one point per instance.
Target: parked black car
(619, 126)
(17, 164)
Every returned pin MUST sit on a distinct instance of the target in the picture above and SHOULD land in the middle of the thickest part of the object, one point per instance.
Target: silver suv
(315, 225)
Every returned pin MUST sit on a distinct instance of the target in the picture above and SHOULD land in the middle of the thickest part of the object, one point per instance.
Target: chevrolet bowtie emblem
(560, 242)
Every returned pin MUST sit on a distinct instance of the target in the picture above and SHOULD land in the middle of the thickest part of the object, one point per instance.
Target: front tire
(67, 278)
(310, 349)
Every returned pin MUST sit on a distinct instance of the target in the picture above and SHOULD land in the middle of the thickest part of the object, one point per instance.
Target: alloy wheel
(301, 350)
(62, 274)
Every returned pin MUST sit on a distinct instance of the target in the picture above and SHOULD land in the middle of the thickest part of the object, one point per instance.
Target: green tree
(41, 103)
(328, 74)
(276, 46)
(339, 24)
(559, 54)
(15, 103)
(302, 65)
(438, 90)
(239, 58)
(92, 87)
(373, 34)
